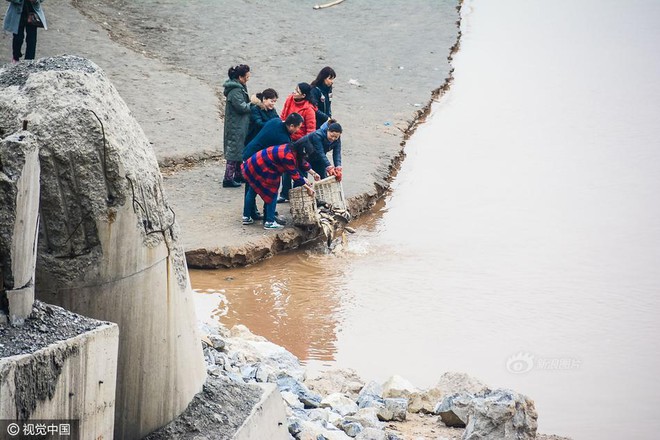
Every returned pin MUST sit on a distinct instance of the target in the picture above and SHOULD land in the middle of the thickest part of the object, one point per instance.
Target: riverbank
(169, 68)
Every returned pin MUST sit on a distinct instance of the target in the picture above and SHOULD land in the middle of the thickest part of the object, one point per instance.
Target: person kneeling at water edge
(263, 172)
(319, 144)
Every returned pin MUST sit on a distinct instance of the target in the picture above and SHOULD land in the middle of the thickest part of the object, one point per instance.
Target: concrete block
(267, 420)
(20, 304)
(19, 220)
(71, 379)
(109, 244)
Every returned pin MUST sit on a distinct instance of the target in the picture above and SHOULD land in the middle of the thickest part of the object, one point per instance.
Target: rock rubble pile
(340, 405)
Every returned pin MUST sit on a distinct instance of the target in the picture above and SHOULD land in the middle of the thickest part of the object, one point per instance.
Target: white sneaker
(272, 225)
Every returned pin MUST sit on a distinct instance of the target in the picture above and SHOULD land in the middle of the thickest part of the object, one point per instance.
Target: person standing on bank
(237, 122)
(22, 19)
(262, 110)
(298, 102)
(322, 94)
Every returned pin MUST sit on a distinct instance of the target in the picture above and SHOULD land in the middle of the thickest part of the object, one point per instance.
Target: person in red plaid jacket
(263, 172)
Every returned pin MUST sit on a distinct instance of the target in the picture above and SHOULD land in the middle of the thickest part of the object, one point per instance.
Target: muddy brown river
(521, 241)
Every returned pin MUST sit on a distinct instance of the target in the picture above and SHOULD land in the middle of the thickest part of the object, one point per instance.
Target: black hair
(294, 119)
(326, 72)
(334, 127)
(267, 94)
(305, 89)
(298, 149)
(238, 71)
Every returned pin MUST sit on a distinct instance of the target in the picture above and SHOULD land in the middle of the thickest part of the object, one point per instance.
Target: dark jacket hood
(232, 84)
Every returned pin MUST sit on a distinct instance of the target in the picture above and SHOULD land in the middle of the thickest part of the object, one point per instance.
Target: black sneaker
(256, 215)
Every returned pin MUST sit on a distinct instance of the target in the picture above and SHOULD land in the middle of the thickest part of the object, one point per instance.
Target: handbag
(34, 20)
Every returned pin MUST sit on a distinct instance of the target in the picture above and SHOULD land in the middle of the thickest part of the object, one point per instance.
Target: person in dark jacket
(319, 144)
(263, 170)
(262, 110)
(322, 94)
(274, 132)
(16, 22)
(237, 121)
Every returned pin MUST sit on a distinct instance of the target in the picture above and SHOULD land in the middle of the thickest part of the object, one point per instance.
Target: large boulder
(501, 414)
(292, 385)
(109, 244)
(397, 386)
(345, 381)
(455, 382)
(424, 401)
(371, 434)
(367, 417)
(454, 409)
(339, 404)
(370, 393)
(393, 410)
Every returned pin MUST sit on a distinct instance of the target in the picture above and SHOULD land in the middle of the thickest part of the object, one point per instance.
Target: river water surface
(521, 242)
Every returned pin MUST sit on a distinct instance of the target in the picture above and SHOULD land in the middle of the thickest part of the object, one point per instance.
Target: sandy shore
(168, 64)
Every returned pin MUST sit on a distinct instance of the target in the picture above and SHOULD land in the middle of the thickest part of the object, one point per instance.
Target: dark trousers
(286, 185)
(319, 167)
(27, 32)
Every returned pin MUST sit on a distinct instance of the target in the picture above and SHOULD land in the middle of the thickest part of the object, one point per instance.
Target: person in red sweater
(298, 102)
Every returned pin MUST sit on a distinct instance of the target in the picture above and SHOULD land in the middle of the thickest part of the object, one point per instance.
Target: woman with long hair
(321, 94)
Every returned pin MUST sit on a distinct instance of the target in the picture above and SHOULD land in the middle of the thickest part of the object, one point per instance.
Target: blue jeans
(269, 210)
(249, 203)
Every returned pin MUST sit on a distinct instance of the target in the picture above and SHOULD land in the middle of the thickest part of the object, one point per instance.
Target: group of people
(22, 19)
(264, 149)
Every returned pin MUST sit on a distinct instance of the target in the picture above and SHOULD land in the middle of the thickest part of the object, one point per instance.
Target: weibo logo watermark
(524, 362)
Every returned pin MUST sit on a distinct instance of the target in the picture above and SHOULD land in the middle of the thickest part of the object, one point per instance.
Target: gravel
(45, 325)
(215, 413)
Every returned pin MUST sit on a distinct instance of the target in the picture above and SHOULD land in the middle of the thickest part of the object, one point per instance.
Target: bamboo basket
(303, 206)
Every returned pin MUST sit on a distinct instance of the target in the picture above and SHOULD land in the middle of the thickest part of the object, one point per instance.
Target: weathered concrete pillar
(109, 242)
(19, 219)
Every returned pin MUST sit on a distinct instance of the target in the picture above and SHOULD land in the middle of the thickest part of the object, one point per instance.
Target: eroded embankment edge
(292, 238)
